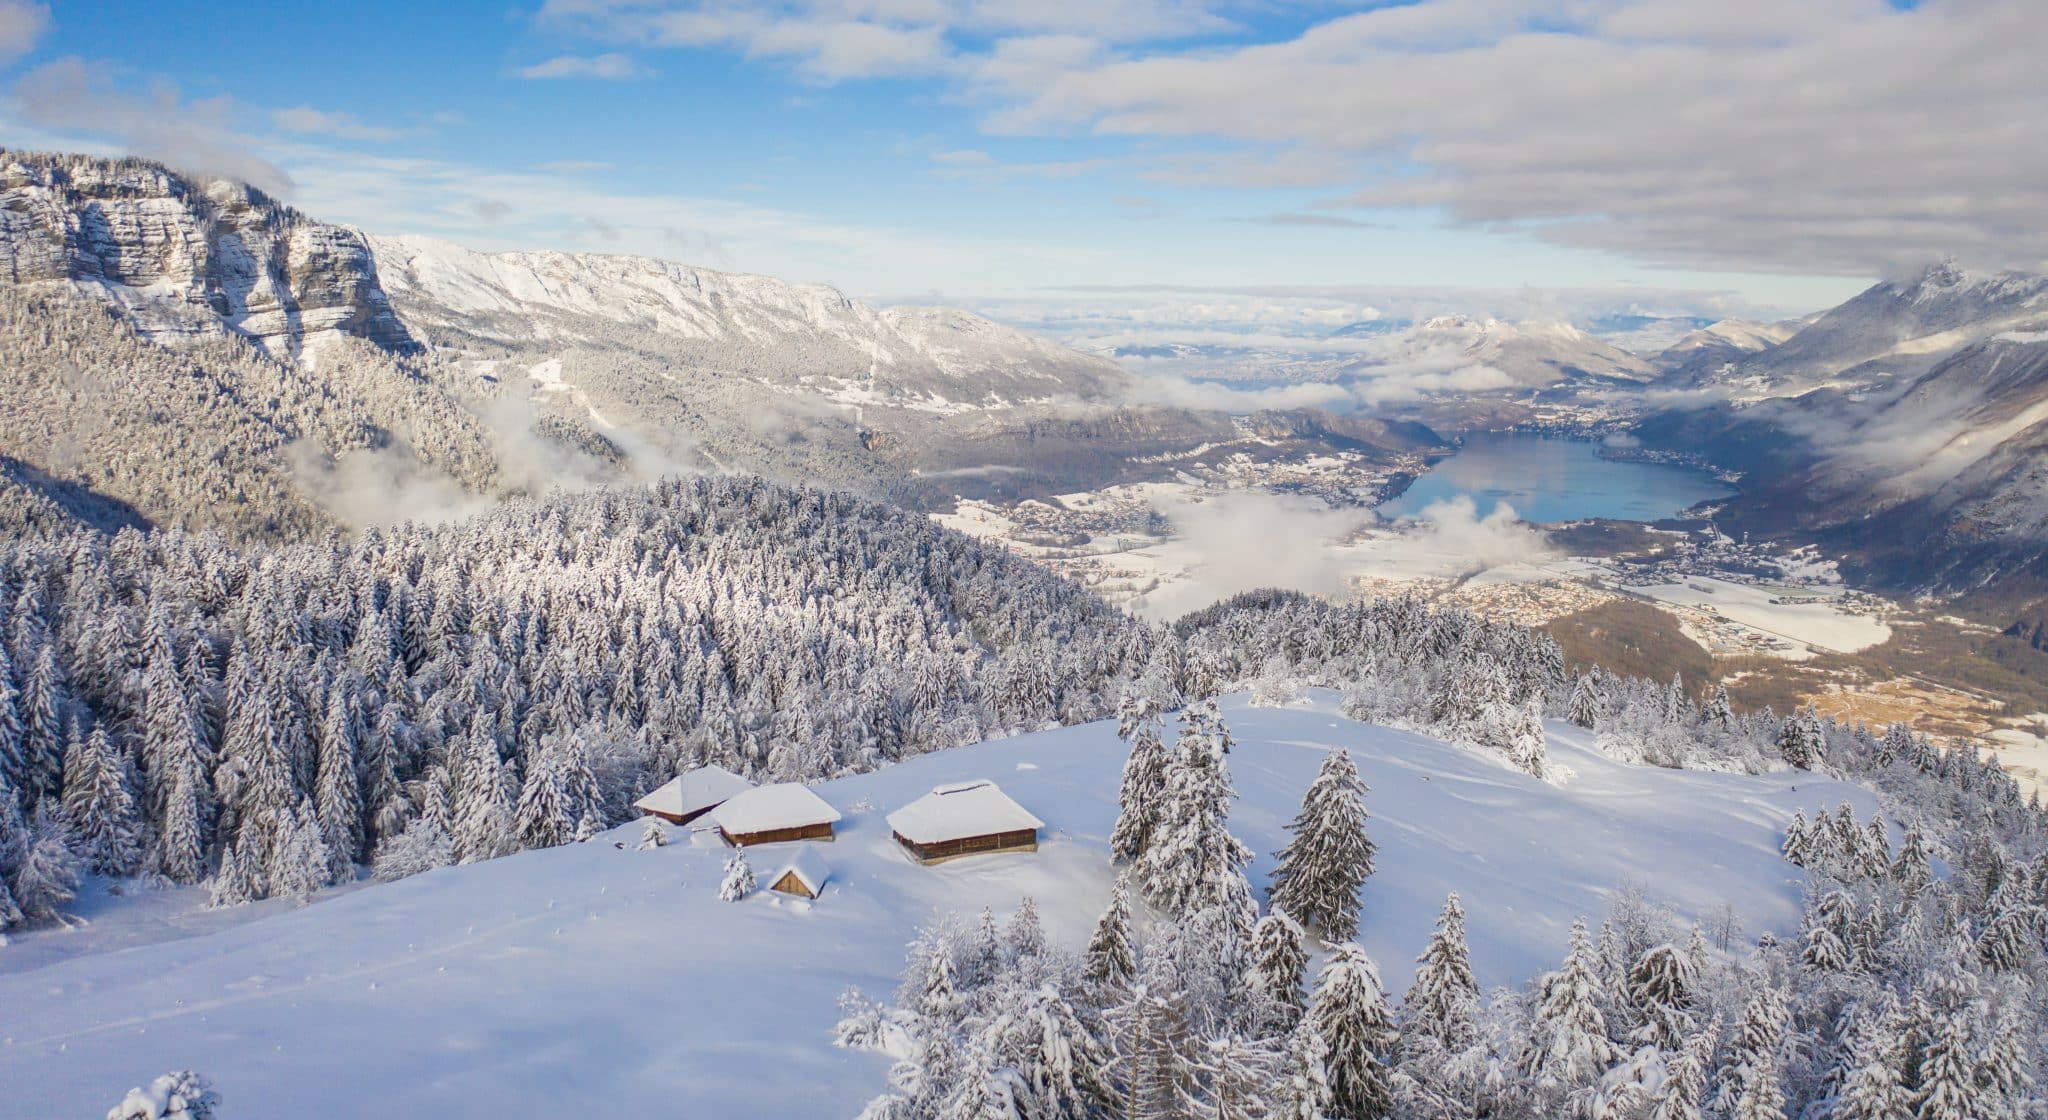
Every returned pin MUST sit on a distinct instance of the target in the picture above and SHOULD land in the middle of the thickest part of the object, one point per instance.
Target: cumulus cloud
(72, 95)
(1452, 529)
(1236, 541)
(21, 28)
(609, 67)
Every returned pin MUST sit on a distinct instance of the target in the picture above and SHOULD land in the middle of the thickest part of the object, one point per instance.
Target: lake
(1548, 480)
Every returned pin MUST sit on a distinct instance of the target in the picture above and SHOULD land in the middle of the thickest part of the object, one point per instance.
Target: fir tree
(1144, 777)
(1874, 1086)
(105, 823)
(1303, 1092)
(1443, 1000)
(47, 873)
(1109, 960)
(653, 834)
(1329, 856)
(1272, 995)
(739, 881)
(1191, 861)
(1349, 1012)
(1661, 989)
(1568, 1046)
(337, 791)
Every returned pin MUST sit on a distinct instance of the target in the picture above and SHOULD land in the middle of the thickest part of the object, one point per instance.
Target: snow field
(590, 978)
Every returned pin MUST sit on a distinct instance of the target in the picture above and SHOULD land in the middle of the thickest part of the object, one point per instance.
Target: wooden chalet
(685, 798)
(772, 814)
(804, 874)
(964, 819)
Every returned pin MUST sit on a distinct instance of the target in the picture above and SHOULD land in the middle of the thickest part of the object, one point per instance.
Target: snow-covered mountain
(1533, 354)
(1898, 329)
(1907, 427)
(182, 256)
(788, 334)
(599, 976)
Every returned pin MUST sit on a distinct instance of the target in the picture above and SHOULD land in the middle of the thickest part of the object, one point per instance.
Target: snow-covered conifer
(105, 823)
(1329, 855)
(1443, 1000)
(1568, 1045)
(739, 881)
(183, 1095)
(47, 874)
(653, 834)
(1349, 1012)
(1110, 960)
(1144, 776)
(1191, 861)
(1272, 995)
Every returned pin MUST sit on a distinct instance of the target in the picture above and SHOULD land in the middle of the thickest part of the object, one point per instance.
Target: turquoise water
(1549, 480)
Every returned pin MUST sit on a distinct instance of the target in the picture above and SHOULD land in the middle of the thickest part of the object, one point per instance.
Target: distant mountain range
(1907, 428)
(191, 351)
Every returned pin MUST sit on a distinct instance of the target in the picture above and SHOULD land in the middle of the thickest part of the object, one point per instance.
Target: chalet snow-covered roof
(960, 810)
(767, 808)
(808, 866)
(695, 791)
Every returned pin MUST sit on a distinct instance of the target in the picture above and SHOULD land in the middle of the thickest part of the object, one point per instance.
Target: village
(953, 821)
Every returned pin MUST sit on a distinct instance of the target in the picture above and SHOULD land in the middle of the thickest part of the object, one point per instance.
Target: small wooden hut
(964, 819)
(804, 874)
(685, 798)
(772, 814)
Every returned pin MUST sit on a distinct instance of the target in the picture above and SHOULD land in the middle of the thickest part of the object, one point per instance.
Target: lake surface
(1548, 480)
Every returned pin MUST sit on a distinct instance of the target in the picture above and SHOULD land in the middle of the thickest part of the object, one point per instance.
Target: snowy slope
(590, 979)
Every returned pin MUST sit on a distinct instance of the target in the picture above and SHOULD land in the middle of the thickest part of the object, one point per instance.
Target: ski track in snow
(588, 978)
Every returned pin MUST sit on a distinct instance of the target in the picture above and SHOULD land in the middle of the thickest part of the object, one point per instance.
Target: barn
(964, 819)
(771, 814)
(803, 875)
(685, 798)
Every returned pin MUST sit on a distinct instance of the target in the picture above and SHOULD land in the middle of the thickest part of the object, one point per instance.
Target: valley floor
(601, 979)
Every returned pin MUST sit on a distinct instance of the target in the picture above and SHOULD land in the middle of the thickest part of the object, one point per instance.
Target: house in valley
(964, 819)
(771, 814)
(685, 798)
(802, 875)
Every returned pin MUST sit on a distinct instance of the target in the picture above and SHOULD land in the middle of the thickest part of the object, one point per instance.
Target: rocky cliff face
(185, 257)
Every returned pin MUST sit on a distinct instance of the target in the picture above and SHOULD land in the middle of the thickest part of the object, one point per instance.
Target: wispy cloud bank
(612, 67)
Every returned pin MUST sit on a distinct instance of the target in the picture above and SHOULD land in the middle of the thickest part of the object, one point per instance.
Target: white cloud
(306, 119)
(609, 67)
(21, 28)
(71, 96)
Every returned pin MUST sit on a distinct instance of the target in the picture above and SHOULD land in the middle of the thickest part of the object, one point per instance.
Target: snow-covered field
(1817, 620)
(595, 980)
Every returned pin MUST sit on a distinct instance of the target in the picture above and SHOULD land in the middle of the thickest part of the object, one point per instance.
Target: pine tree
(1749, 1076)
(1443, 1000)
(739, 881)
(1660, 988)
(1144, 777)
(1947, 1076)
(1062, 1067)
(653, 834)
(1528, 751)
(1874, 1086)
(1272, 997)
(1303, 1092)
(338, 792)
(1025, 933)
(1585, 706)
(481, 809)
(45, 703)
(1568, 1045)
(1683, 1092)
(1110, 961)
(1191, 861)
(105, 823)
(542, 818)
(47, 874)
(183, 1095)
(1349, 1012)
(1329, 856)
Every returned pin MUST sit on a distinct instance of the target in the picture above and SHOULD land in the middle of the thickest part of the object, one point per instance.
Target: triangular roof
(809, 868)
(767, 808)
(694, 792)
(960, 810)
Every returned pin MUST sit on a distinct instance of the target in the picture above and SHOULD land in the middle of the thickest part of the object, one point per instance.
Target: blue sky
(1766, 154)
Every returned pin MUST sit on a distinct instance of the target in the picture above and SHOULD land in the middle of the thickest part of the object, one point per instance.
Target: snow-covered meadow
(605, 980)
